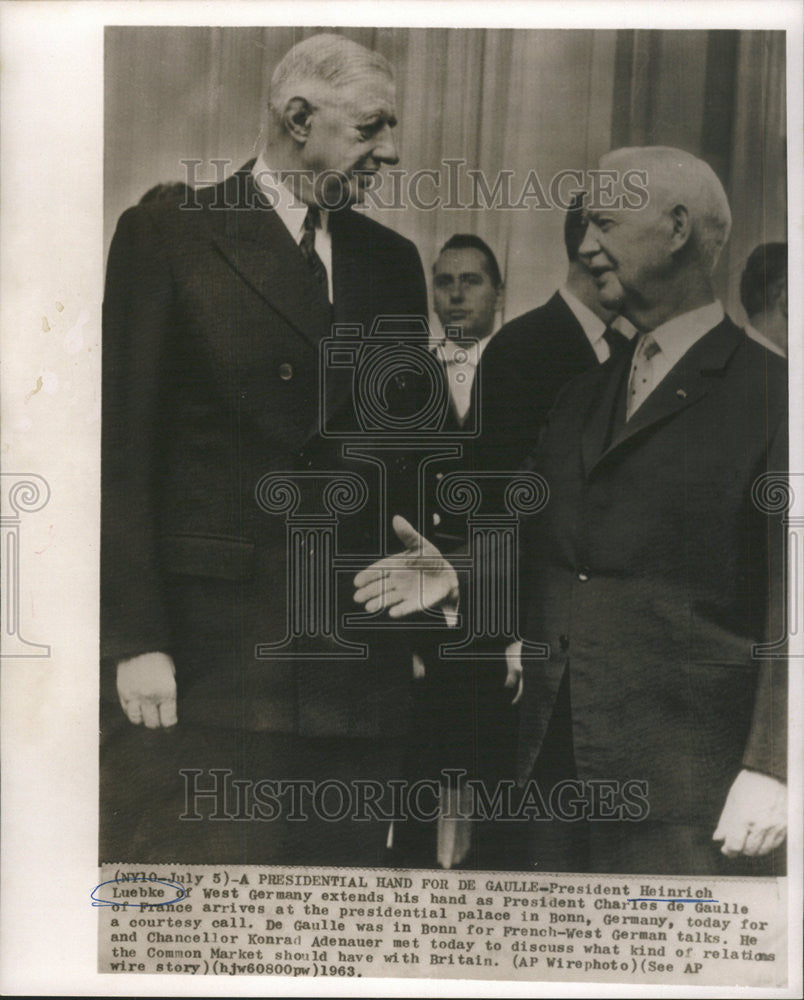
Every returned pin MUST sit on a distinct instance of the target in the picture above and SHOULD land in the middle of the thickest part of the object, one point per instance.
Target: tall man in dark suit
(534, 355)
(656, 728)
(213, 319)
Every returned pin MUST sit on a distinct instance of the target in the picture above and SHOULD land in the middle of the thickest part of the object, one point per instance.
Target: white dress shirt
(293, 212)
(461, 359)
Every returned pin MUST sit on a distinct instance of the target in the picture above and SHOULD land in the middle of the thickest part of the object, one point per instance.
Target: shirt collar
(677, 335)
(593, 326)
(286, 205)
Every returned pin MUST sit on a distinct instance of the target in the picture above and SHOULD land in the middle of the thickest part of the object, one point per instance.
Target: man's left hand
(754, 818)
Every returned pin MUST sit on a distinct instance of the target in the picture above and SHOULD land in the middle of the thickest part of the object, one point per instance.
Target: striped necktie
(312, 221)
(641, 381)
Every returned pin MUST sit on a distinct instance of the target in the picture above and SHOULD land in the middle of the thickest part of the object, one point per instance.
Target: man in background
(534, 355)
(462, 707)
(468, 292)
(763, 293)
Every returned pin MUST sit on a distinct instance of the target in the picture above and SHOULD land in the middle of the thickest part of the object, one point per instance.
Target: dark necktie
(617, 341)
(312, 221)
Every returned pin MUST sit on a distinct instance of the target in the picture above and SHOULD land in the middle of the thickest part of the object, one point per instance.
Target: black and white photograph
(230, 630)
(435, 388)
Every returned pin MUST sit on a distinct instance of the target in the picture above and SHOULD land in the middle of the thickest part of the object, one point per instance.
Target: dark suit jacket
(651, 574)
(212, 324)
(521, 372)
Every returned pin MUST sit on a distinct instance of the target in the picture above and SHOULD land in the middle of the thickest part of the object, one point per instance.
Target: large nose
(385, 150)
(589, 244)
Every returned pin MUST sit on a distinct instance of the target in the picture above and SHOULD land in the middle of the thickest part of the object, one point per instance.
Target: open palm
(413, 580)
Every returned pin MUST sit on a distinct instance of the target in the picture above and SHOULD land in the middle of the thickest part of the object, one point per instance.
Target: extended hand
(146, 686)
(754, 818)
(411, 581)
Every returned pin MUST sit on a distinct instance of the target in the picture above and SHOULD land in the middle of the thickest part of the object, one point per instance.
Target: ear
(296, 118)
(499, 302)
(681, 227)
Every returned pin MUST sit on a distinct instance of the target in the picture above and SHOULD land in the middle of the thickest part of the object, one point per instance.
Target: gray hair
(319, 65)
(677, 177)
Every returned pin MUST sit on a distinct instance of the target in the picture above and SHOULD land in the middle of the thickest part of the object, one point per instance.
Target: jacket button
(439, 476)
(583, 575)
(285, 371)
(436, 519)
(563, 641)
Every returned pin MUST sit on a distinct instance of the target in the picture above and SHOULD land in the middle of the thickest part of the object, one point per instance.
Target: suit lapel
(259, 247)
(683, 386)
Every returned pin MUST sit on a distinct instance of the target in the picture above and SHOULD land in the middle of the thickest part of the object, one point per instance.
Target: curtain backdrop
(497, 100)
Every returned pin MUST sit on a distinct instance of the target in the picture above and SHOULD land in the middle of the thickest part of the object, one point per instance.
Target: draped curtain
(484, 99)
(721, 95)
